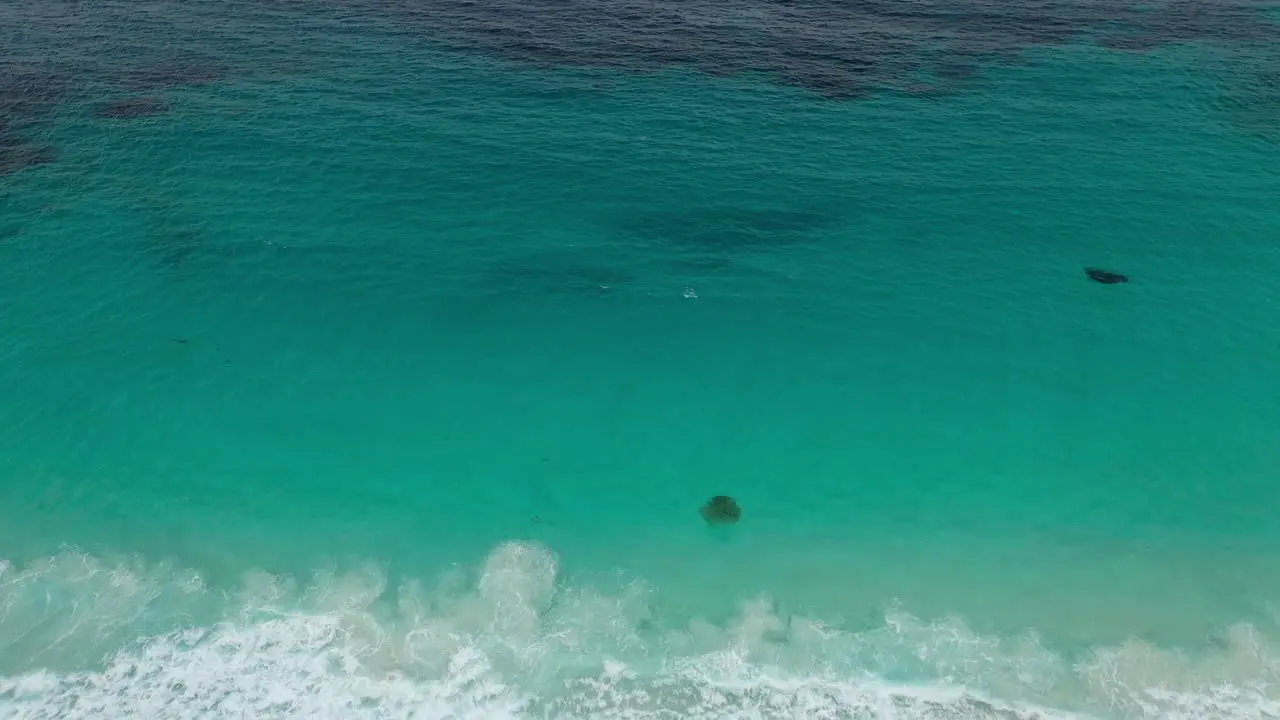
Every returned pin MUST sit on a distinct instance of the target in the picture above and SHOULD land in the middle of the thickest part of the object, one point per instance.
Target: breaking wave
(81, 637)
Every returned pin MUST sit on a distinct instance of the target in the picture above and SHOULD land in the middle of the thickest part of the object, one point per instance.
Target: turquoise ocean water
(382, 374)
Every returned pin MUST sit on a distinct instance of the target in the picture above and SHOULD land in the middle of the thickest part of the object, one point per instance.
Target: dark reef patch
(58, 51)
(182, 72)
(131, 108)
(836, 48)
(839, 49)
(1129, 42)
(17, 154)
(27, 94)
(26, 97)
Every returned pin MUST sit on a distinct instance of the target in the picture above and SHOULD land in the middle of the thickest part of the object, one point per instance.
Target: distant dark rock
(131, 108)
(721, 510)
(1106, 277)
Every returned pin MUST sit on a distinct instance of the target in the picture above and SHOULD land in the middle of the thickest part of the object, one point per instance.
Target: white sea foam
(82, 638)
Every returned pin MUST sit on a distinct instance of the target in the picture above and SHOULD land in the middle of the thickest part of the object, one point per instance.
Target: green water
(405, 314)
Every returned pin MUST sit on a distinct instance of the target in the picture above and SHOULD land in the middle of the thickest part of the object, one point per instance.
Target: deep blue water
(374, 360)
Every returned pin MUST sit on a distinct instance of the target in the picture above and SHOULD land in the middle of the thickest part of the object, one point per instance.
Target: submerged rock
(721, 510)
(1106, 277)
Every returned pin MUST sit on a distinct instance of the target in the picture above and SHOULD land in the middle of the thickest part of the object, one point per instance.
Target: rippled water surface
(373, 360)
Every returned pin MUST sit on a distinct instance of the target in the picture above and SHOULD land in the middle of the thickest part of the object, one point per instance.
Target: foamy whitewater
(513, 641)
